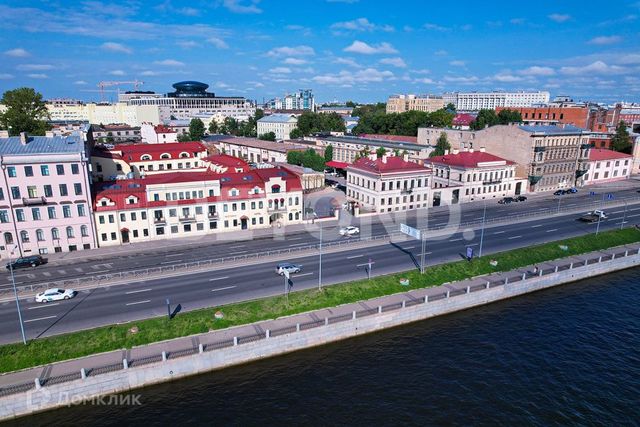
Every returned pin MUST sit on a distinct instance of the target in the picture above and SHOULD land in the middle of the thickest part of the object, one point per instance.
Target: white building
(256, 150)
(606, 166)
(388, 184)
(158, 134)
(474, 101)
(476, 175)
(119, 112)
(280, 124)
(301, 100)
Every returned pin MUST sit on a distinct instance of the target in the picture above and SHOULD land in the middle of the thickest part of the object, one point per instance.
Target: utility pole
(320, 261)
(484, 215)
(15, 293)
(624, 215)
(424, 249)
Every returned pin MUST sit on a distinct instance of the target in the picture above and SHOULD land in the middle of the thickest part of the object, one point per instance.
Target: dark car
(27, 261)
(558, 192)
(506, 200)
(521, 198)
(573, 190)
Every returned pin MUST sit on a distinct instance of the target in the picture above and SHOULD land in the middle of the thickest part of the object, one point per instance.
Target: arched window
(55, 234)
(39, 235)
(184, 155)
(24, 236)
(297, 201)
(84, 231)
(70, 232)
(165, 156)
(270, 204)
(8, 238)
(145, 157)
(297, 215)
(275, 188)
(290, 216)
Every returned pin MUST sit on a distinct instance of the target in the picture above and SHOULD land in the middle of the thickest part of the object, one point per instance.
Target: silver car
(289, 267)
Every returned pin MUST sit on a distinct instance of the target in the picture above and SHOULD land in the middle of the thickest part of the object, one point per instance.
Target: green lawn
(62, 347)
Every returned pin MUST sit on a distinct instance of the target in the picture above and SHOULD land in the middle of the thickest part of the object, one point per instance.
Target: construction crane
(102, 85)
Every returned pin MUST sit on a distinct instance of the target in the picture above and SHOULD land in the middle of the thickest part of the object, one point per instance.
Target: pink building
(45, 199)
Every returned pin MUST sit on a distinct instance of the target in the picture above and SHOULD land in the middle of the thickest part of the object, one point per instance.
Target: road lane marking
(552, 230)
(40, 318)
(237, 246)
(456, 240)
(218, 278)
(631, 216)
(138, 291)
(43, 306)
(354, 256)
(617, 212)
(299, 244)
(409, 247)
(304, 274)
(295, 238)
(537, 225)
(168, 255)
(499, 232)
(171, 262)
(139, 302)
(237, 253)
(514, 237)
(97, 272)
(222, 289)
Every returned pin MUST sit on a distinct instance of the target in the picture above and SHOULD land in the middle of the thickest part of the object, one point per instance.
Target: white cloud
(188, 11)
(6, 76)
(150, 73)
(38, 76)
(366, 49)
(435, 27)
(424, 80)
(559, 17)
(347, 61)
(80, 83)
(170, 63)
(116, 47)
(632, 58)
(461, 80)
(457, 63)
(35, 67)
(237, 6)
(369, 75)
(597, 67)
(537, 71)
(441, 52)
(360, 24)
(117, 73)
(604, 40)
(280, 70)
(295, 61)
(188, 44)
(17, 53)
(421, 71)
(218, 42)
(506, 78)
(517, 21)
(301, 50)
(396, 62)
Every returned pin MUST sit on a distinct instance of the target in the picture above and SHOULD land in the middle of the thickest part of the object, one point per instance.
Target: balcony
(492, 182)
(187, 218)
(406, 191)
(32, 201)
(278, 208)
(213, 215)
(160, 220)
(539, 149)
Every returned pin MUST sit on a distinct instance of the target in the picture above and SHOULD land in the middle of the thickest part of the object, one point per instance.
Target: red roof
(134, 152)
(336, 164)
(400, 138)
(391, 165)
(163, 129)
(227, 160)
(463, 119)
(596, 154)
(467, 159)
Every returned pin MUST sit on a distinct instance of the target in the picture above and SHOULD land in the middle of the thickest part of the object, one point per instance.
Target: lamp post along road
(320, 261)
(15, 293)
(624, 215)
(484, 215)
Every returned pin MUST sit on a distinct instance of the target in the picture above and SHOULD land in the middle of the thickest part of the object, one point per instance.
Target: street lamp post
(320, 260)
(424, 249)
(624, 215)
(15, 293)
(484, 215)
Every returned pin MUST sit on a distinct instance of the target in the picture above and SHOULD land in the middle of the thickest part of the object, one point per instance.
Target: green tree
(485, 118)
(269, 136)
(451, 107)
(294, 157)
(231, 125)
(380, 152)
(620, 141)
(509, 116)
(328, 153)
(26, 112)
(196, 129)
(442, 146)
(184, 137)
(350, 104)
(213, 127)
(296, 134)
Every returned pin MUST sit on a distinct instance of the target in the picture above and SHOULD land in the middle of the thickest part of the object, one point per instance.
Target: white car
(55, 294)
(349, 231)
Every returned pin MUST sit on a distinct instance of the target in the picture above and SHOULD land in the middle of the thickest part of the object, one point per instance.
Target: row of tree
(310, 158)
(376, 120)
(309, 123)
(487, 118)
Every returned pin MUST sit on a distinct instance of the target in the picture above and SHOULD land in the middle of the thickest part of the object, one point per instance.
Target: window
(75, 169)
(60, 169)
(99, 169)
(159, 231)
(111, 219)
(55, 234)
(84, 231)
(39, 235)
(51, 212)
(113, 236)
(173, 212)
(24, 236)
(133, 216)
(15, 193)
(11, 171)
(143, 215)
(1, 194)
(66, 211)
(4, 216)
(32, 191)
(35, 212)
(8, 238)
(123, 218)
(78, 189)
(187, 228)
(20, 215)
(135, 233)
(28, 171)
(174, 229)
(44, 170)
(63, 190)
(103, 237)
(48, 191)
(81, 210)
(198, 210)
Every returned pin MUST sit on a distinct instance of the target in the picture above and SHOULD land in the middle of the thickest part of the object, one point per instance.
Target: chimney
(482, 150)
(455, 151)
(24, 138)
(384, 159)
(471, 150)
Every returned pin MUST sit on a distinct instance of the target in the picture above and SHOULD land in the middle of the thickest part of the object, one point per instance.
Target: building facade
(607, 166)
(474, 101)
(45, 197)
(158, 134)
(103, 113)
(280, 124)
(256, 150)
(301, 100)
(115, 133)
(402, 103)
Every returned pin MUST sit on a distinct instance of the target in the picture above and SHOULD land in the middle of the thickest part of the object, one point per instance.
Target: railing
(160, 221)
(31, 201)
(437, 294)
(492, 182)
(187, 218)
(279, 208)
(213, 215)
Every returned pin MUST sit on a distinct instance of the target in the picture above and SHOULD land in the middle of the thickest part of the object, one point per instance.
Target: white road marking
(237, 253)
(514, 237)
(299, 244)
(222, 289)
(237, 246)
(171, 262)
(295, 238)
(354, 256)
(218, 278)
(79, 270)
(46, 273)
(537, 225)
(62, 271)
(40, 318)
(97, 272)
(409, 247)
(304, 274)
(456, 240)
(552, 230)
(168, 255)
(631, 216)
(139, 302)
(499, 232)
(474, 244)
(43, 306)
(617, 212)
(138, 291)
(426, 253)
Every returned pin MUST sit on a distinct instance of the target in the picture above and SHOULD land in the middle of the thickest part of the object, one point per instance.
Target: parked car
(349, 231)
(55, 294)
(27, 261)
(287, 266)
(521, 198)
(558, 192)
(506, 200)
(594, 216)
(573, 190)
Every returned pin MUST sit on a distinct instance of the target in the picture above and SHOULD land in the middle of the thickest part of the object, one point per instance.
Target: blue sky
(342, 49)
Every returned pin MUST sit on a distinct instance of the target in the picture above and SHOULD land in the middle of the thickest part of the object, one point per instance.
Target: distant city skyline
(357, 50)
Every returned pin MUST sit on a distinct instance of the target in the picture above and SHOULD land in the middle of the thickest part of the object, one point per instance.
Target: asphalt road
(142, 299)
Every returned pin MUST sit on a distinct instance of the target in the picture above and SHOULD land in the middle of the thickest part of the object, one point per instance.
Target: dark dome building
(191, 89)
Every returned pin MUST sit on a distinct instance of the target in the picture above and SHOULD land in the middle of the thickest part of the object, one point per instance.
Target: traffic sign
(410, 231)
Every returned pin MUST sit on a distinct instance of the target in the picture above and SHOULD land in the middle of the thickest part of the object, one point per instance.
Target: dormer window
(145, 157)
(165, 156)
(275, 188)
(234, 192)
(184, 155)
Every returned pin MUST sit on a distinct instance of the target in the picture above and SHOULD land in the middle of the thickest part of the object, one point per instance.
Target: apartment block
(280, 124)
(607, 166)
(474, 101)
(402, 103)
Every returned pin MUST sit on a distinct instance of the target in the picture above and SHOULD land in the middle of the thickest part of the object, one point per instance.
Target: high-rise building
(301, 100)
(474, 101)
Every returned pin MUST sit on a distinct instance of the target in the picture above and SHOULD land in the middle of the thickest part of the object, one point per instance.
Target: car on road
(506, 200)
(27, 261)
(594, 216)
(349, 231)
(560, 192)
(55, 294)
(289, 267)
(521, 198)
(572, 190)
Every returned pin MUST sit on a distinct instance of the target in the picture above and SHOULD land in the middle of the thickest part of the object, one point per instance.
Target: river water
(565, 356)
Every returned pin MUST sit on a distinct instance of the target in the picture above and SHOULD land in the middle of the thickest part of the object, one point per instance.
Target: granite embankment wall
(329, 330)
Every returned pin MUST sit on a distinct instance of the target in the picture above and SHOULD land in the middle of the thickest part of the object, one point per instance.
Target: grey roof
(278, 118)
(41, 145)
(378, 143)
(553, 130)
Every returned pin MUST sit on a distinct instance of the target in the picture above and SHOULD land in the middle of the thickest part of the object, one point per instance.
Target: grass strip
(62, 347)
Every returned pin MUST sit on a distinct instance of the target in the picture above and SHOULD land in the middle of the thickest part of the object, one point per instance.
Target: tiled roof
(395, 138)
(463, 119)
(552, 130)
(596, 154)
(134, 152)
(282, 147)
(163, 129)
(226, 160)
(467, 159)
(41, 145)
(391, 165)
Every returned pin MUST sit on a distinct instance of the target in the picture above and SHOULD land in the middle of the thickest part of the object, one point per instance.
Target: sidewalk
(108, 362)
